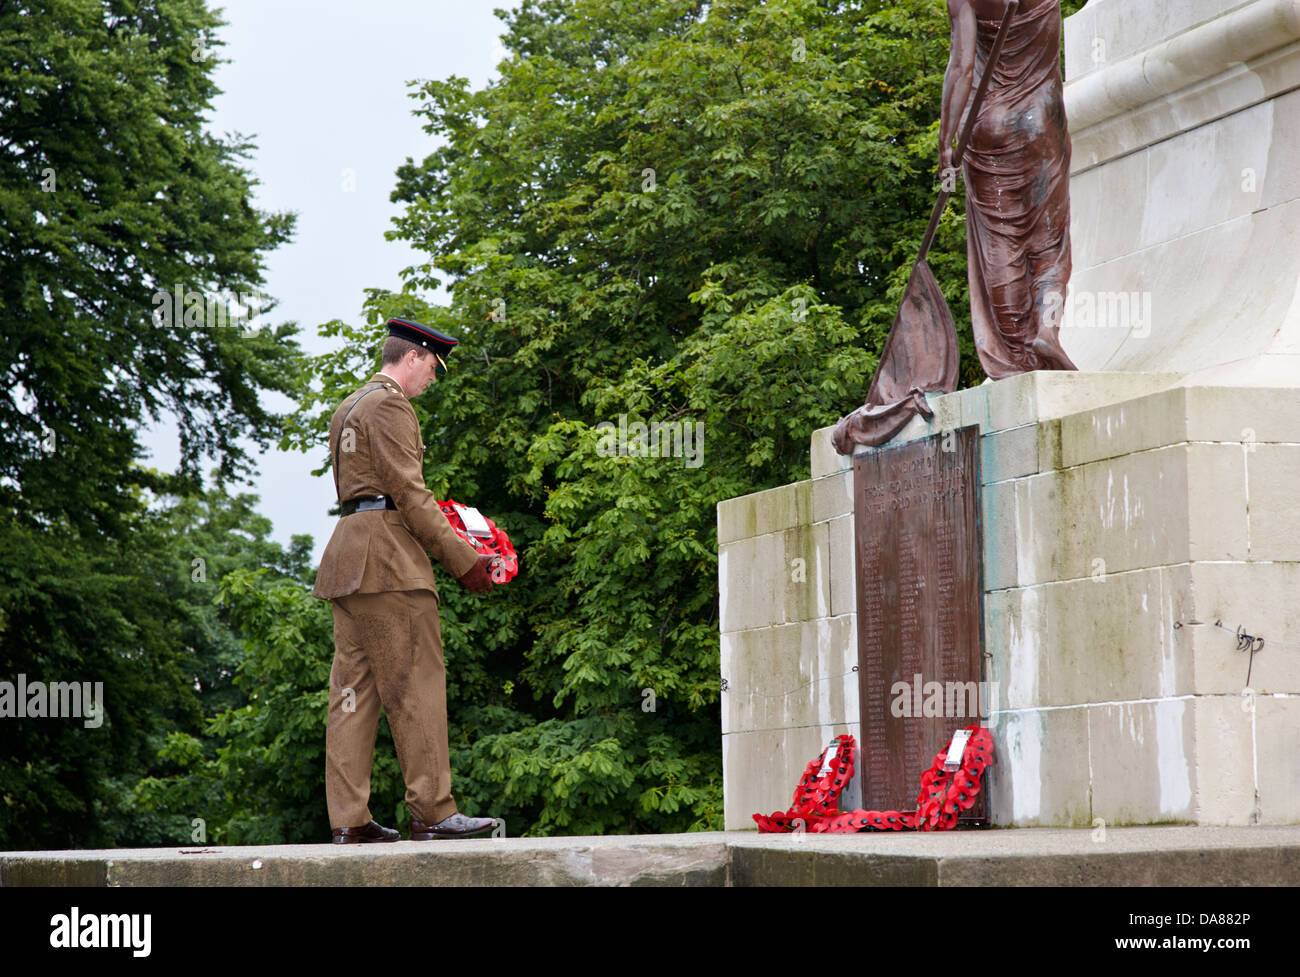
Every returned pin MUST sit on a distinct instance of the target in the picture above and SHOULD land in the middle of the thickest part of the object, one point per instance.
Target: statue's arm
(959, 79)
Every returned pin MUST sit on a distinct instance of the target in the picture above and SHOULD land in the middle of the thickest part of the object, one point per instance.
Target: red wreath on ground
(505, 565)
(944, 794)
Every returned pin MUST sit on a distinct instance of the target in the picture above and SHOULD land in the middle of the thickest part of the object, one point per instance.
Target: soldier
(387, 637)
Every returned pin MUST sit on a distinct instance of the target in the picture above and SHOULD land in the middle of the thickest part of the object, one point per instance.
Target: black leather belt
(365, 503)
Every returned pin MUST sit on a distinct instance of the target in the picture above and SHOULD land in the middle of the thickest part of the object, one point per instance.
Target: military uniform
(387, 638)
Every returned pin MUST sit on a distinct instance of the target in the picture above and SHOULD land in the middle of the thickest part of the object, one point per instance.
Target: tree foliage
(111, 191)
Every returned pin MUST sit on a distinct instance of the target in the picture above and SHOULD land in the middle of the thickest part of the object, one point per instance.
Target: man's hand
(477, 579)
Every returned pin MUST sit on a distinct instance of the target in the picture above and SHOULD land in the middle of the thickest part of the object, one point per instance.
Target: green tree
(111, 195)
(255, 770)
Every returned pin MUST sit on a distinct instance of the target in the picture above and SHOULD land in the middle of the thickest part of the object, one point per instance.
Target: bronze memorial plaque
(920, 609)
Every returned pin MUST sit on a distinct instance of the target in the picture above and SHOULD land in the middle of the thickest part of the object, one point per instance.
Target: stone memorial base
(1124, 514)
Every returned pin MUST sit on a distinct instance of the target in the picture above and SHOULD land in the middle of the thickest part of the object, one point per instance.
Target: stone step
(1164, 856)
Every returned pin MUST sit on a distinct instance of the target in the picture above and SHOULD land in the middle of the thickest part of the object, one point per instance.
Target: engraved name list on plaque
(920, 608)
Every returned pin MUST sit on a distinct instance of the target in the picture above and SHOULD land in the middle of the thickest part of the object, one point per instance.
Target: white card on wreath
(474, 522)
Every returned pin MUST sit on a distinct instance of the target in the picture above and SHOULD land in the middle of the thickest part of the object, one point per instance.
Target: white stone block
(823, 458)
(1142, 757)
(1273, 476)
(1040, 771)
(832, 496)
(1225, 772)
(1100, 639)
(776, 578)
(1009, 454)
(763, 768)
(1276, 720)
(790, 675)
(1259, 598)
(843, 566)
(1128, 28)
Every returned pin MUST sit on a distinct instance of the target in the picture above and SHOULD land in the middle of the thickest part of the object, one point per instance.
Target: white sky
(320, 87)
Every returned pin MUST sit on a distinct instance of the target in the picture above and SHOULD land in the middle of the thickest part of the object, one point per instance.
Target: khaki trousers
(387, 651)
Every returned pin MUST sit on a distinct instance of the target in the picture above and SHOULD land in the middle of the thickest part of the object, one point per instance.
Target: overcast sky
(320, 87)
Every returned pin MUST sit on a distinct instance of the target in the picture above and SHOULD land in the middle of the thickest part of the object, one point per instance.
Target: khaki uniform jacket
(384, 549)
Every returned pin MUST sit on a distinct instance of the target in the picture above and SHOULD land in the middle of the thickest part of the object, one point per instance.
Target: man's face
(423, 371)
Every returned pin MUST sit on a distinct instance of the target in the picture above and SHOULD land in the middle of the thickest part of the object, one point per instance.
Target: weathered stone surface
(1277, 718)
(1009, 454)
(776, 578)
(1183, 117)
(811, 660)
(823, 458)
(1065, 643)
(1140, 74)
(802, 864)
(612, 860)
(999, 504)
(1183, 856)
(1121, 429)
(1258, 248)
(763, 767)
(1030, 398)
(1243, 415)
(832, 496)
(1217, 503)
(1152, 508)
(765, 512)
(1224, 776)
(1142, 757)
(1127, 29)
(843, 571)
(1261, 598)
(1040, 773)
(1273, 471)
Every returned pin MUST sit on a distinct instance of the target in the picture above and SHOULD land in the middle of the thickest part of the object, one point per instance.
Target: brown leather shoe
(364, 835)
(456, 826)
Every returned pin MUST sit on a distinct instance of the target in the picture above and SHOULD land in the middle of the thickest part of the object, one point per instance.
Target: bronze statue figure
(1014, 152)
(1017, 175)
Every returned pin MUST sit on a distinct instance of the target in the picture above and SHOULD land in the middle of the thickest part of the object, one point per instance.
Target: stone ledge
(1128, 28)
(1174, 855)
(1164, 856)
(689, 859)
(1206, 71)
(1003, 406)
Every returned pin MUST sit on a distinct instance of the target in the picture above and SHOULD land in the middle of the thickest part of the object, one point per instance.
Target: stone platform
(1140, 856)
